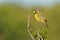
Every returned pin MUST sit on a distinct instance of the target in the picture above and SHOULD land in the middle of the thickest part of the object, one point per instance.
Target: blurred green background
(13, 21)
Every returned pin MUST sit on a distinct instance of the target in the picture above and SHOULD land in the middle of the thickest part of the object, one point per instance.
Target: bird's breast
(37, 18)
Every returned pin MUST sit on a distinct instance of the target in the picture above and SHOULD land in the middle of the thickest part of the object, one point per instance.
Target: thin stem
(28, 27)
(39, 36)
(38, 33)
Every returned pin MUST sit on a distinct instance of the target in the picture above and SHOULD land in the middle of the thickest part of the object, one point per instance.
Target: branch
(38, 33)
(28, 27)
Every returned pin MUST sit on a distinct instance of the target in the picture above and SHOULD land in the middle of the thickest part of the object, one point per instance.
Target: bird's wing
(42, 14)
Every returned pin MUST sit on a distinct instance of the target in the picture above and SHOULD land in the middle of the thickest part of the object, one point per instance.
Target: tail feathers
(47, 25)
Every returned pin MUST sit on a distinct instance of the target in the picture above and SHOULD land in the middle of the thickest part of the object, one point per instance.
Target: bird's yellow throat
(36, 17)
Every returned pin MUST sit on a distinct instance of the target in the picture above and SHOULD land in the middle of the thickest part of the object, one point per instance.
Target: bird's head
(35, 10)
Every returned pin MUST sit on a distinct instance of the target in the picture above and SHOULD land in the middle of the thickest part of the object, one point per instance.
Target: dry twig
(28, 27)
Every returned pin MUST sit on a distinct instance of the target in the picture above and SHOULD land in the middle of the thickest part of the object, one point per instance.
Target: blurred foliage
(13, 22)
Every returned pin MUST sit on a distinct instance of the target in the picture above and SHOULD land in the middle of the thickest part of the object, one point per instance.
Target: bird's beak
(33, 11)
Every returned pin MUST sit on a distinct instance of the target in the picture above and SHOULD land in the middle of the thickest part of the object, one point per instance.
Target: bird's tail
(46, 25)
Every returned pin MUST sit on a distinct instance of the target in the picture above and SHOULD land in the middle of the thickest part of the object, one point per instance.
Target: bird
(39, 16)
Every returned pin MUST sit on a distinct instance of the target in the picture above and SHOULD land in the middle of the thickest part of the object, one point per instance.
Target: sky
(45, 3)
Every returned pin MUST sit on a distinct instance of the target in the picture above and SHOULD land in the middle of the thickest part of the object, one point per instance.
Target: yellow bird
(40, 17)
